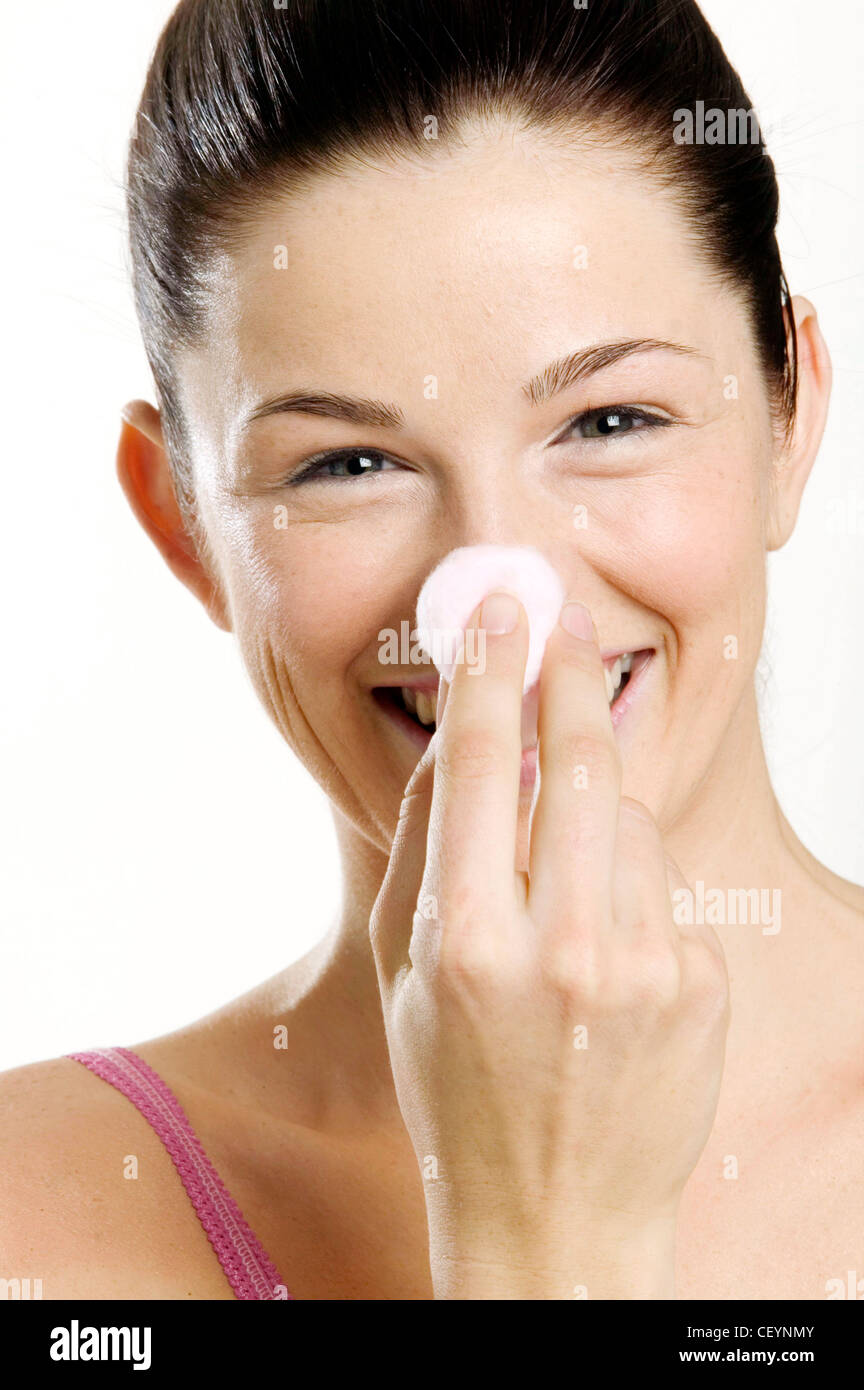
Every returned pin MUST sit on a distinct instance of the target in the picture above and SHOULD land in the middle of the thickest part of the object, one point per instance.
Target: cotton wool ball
(464, 578)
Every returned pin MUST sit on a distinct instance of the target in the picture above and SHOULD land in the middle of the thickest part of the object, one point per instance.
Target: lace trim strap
(250, 1272)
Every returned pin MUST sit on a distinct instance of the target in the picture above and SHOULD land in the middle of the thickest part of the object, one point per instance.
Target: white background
(162, 850)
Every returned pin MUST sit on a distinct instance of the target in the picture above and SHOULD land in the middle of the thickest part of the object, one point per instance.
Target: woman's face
(448, 295)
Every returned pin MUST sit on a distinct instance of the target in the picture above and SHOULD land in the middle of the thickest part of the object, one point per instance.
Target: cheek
(688, 547)
(315, 594)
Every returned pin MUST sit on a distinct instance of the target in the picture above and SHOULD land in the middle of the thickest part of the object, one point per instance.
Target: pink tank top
(250, 1271)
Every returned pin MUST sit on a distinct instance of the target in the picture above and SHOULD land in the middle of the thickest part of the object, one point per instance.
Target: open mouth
(414, 706)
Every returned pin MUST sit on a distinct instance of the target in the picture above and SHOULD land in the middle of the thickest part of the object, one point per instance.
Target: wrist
(594, 1261)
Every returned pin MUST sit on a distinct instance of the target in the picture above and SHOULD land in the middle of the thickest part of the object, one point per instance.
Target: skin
(461, 268)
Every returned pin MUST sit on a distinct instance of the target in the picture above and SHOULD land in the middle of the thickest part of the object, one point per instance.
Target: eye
(609, 420)
(341, 464)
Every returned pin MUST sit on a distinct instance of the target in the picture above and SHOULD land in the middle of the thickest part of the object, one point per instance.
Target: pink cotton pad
(464, 578)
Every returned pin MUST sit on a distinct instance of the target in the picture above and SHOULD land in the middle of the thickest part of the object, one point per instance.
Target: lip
(428, 683)
(420, 736)
(642, 662)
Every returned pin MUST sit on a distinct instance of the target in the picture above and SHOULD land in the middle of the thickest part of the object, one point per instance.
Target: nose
(490, 502)
(463, 579)
(495, 501)
(553, 530)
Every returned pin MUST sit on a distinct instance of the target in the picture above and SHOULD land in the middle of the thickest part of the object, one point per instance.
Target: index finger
(475, 800)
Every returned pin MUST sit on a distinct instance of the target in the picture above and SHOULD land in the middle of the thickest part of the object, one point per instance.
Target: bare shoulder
(90, 1202)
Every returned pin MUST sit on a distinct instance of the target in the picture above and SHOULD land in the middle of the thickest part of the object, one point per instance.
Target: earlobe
(794, 461)
(144, 472)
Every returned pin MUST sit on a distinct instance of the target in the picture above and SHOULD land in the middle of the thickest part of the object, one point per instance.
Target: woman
(414, 277)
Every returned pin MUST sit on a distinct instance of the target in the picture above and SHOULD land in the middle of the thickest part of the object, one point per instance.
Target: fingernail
(576, 620)
(499, 614)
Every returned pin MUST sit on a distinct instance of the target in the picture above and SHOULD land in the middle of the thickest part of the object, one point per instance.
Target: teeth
(615, 673)
(422, 703)
(425, 705)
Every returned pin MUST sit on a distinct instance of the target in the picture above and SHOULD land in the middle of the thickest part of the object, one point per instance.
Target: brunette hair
(248, 98)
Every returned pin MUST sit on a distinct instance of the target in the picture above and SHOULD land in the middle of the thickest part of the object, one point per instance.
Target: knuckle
(570, 970)
(471, 754)
(592, 751)
(583, 657)
(643, 983)
(706, 980)
(465, 960)
(658, 977)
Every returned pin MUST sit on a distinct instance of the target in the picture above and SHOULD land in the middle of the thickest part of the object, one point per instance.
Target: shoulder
(90, 1202)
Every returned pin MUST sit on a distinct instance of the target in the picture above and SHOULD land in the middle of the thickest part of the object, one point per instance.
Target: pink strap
(250, 1271)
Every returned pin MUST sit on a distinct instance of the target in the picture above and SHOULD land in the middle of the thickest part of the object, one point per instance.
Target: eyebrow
(567, 371)
(557, 377)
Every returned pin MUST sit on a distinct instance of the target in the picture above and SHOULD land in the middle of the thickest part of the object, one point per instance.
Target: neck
(749, 873)
(779, 915)
(729, 839)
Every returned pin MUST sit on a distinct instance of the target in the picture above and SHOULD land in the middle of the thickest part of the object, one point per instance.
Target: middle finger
(574, 828)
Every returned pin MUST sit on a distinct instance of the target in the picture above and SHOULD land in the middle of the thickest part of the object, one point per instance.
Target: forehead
(477, 263)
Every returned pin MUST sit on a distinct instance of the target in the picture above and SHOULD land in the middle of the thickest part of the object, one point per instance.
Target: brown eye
(355, 465)
(342, 465)
(610, 420)
(605, 422)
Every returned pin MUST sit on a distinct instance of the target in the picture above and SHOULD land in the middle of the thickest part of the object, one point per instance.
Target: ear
(794, 461)
(145, 477)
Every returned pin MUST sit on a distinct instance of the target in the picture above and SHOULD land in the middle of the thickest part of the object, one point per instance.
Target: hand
(556, 1041)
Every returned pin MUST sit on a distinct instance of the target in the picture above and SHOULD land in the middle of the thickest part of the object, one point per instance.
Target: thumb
(400, 899)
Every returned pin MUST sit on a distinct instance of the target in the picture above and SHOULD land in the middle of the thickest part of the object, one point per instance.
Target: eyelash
(309, 469)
